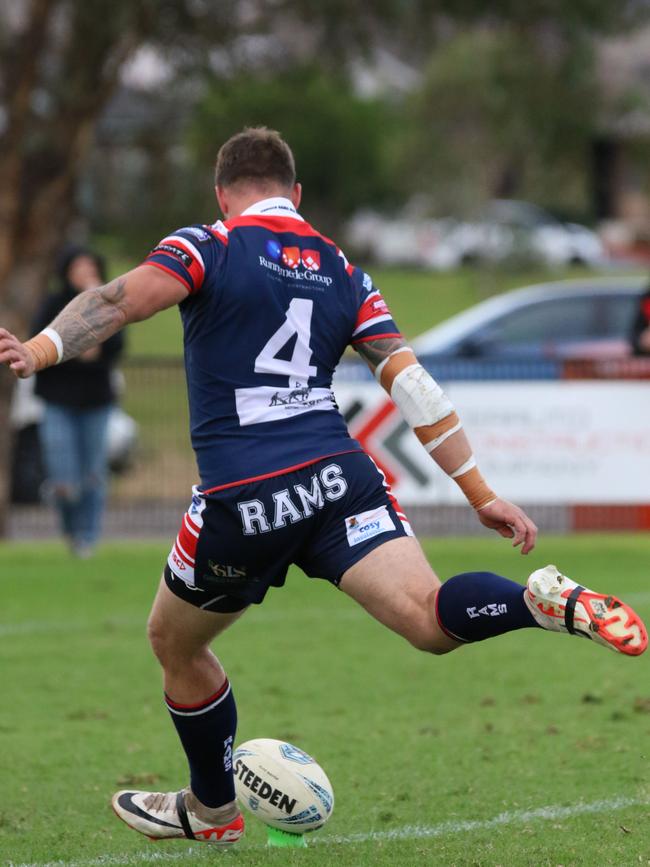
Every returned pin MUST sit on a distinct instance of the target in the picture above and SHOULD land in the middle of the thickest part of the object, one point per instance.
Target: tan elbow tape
(433, 435)
(394, 364)
(43, 350)
(475, 488)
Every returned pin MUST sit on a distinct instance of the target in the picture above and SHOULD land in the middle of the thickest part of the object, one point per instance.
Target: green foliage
(522, 722)
(504, 111)
(337, 138)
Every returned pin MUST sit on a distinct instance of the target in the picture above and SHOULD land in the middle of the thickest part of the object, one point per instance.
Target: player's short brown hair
(257, 155)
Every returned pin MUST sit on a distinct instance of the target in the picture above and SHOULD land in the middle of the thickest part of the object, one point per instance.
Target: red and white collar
(276, 206)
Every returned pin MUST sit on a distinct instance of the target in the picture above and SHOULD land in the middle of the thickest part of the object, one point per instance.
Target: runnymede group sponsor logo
(287, 262)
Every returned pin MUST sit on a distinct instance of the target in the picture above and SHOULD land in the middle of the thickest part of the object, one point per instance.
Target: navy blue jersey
(271, 307)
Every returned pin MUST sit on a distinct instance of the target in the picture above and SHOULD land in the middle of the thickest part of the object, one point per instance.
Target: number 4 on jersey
(297, 323)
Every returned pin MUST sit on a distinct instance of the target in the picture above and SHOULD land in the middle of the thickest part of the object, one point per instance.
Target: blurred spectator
(78, 396)
(641, 328)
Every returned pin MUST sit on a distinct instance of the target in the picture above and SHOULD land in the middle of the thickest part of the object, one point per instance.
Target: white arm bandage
(419, 397)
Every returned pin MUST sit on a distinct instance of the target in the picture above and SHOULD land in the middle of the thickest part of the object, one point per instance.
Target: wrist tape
(46, 349)
(473, 485)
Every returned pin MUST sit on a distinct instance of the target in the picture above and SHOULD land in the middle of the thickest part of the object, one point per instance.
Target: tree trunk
(6, 389)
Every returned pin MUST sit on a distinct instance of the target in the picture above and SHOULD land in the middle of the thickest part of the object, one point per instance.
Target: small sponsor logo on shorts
(225, 571)
(366, 525)
(178, 562)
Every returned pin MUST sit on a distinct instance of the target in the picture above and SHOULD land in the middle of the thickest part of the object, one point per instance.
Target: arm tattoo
(376, 351)
(92, 317)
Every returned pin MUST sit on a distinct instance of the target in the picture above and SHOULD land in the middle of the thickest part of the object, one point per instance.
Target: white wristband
(55, 337)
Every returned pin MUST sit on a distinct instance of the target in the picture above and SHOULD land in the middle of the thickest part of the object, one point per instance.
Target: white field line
(407, 832)
(465, 826)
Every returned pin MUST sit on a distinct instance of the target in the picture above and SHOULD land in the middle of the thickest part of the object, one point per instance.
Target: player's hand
(511, 522)
(14, 354)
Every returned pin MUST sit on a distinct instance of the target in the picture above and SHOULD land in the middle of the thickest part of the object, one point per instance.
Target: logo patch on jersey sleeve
(175, 251)
(199, 234)
(380, 306)
(366, 525)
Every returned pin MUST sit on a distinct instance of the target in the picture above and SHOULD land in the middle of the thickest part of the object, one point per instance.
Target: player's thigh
(397, 586)
(178, 629)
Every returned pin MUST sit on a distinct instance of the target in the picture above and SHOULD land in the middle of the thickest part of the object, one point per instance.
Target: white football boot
(170, 815)
(559, 604)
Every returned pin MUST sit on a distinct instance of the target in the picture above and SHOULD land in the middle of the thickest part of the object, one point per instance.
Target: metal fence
(152, 488)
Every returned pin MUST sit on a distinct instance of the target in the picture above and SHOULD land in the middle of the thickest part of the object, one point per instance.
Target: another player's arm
(433, 418)
(92, 317)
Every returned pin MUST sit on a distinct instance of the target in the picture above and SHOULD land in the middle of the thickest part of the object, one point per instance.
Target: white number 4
(297, 368)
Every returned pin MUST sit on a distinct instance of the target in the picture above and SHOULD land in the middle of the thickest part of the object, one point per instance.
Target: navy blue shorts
(237, 542)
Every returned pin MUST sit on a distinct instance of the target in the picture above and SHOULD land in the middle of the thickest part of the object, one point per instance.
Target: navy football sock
(478, 605)
(207, 732)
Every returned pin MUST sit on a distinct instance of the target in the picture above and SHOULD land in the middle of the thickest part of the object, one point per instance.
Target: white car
(506, 229)
(590, 318)
(399, 240)
(509, 228)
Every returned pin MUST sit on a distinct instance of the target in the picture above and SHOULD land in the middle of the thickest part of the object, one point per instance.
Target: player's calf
(474, 606)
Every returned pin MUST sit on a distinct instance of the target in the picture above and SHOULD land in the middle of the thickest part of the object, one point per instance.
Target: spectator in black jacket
(78, 396)
(641, 327)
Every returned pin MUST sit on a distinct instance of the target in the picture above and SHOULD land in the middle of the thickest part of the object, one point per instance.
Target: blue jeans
(75, 449)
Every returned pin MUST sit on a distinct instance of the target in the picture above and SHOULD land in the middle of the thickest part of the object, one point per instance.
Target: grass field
(528, 750)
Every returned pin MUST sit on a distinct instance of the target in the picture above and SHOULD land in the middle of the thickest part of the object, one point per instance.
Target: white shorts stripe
(190, 528)
(184, 553)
